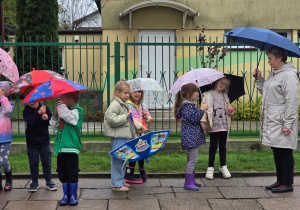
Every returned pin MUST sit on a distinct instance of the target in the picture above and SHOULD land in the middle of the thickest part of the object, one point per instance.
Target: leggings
(215, 139)
(192, 159)
(4, 155)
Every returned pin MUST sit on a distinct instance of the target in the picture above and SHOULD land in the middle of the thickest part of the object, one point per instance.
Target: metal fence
(92, 62)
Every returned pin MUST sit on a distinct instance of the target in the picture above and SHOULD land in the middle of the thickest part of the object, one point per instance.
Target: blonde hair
(140, 101)
(227, 87)
(120, 86)
(185, 92)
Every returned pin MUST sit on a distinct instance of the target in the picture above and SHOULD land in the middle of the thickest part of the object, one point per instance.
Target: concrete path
(156, 194)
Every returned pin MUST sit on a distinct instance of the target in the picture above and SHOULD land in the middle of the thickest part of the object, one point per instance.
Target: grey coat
(279, 107)
(116, 124)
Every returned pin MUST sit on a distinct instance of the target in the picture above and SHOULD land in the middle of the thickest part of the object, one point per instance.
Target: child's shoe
(189, 182)
(210, 173)
(226, 174)
(129, 176)
(126, 185)
(143, 174)
(195, 182)
(51, 186)
(120, 189)
(34, 186)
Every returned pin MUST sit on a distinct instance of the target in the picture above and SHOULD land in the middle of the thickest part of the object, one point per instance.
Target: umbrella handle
(147, 160)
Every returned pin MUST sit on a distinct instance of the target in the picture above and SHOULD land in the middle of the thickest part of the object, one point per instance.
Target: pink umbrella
(8, 67)
(199, 77)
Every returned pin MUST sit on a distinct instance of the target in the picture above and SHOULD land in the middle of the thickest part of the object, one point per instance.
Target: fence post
(117, 62)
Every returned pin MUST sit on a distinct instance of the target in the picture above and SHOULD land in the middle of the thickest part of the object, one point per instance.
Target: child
(68, 117)
(6, 111)
(37, 117)
(192, 135)
(118, 126)
(141, 116)
(217, 123)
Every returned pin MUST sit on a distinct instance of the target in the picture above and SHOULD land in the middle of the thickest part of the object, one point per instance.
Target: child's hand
(143, 130)
(2, 92)
(229, 107)
(42, 110)
(56, 98)
(128, 115)
(145, 115)
(204, 107)
(44, 116)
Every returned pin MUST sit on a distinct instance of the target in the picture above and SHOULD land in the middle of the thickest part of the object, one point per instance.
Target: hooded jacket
(279, 107)
(6, 111)
(192, 134)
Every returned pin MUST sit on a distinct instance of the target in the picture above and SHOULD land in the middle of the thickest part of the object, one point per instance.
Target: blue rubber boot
(73, 199)
(189, 182)
(65, 200)
(195, 182)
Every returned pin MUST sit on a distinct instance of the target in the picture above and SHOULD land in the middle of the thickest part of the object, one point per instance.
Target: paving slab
(183, 204)
(94, 183)
(44, 194)
(260, 181)
(220, 182)
(87, 204)
(2, 204)
(280, 203)
(204, 193)
(148, 184)
(15, 195)
(152, 196)
(101, 194)
(150, 190)
(243, 192)
(146, 204)
(20, 183)
(235, 204)
(172, 182)
(29, 205)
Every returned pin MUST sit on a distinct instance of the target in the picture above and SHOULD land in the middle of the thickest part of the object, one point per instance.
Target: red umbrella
(34, 78)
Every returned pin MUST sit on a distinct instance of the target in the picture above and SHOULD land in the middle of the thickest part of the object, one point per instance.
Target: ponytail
(178, 103)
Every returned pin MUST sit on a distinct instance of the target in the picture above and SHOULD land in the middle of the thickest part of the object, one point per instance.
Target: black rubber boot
(129, 176)
(8, 183)
(143, 173)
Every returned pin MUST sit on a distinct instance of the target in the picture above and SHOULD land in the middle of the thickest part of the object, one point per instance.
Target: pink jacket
(6, 110)
(137, 113)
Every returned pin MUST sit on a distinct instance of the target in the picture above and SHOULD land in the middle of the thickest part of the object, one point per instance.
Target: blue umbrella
(142, 147)
(263, 39)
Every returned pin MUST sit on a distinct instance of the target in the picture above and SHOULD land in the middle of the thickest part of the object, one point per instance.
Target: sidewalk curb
(103, 175)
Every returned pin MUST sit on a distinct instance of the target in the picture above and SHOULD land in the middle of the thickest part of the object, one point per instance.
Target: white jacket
(279, 107)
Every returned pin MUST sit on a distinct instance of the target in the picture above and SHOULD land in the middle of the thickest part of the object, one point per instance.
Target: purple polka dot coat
(192, 134)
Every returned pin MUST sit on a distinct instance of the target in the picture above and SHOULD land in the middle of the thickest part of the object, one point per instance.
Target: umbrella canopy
(236, 87)
(34, 78)
(142, 147)
(199, 77)
(263, 39)
(52, 88)
(154, 94)
(8, 67)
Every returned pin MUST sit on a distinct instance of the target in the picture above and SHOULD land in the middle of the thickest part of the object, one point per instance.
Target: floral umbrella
(199, 77)
(52, 88)
(34, 78)
(8, 67)
(154, 94)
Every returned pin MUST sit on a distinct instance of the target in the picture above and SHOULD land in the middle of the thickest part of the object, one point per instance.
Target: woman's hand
(286, 131)
(257, 74)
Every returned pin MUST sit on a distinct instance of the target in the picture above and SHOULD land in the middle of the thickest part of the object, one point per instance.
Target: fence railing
(92, 62)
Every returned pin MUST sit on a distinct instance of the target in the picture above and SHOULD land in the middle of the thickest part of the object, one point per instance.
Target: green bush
(247, 110)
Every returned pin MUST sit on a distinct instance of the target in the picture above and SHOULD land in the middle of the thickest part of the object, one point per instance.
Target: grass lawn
(166, 163)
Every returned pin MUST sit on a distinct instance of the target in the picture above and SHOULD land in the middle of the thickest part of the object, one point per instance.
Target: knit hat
(6, 85)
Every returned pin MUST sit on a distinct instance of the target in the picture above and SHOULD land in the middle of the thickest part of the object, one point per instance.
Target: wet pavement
(235, 193)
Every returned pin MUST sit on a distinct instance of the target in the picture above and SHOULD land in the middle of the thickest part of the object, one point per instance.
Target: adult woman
(279, 115)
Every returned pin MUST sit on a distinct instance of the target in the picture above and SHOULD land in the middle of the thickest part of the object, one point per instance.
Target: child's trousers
(4, 154)
(117, 169)
(34, 155)
(67, 167)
